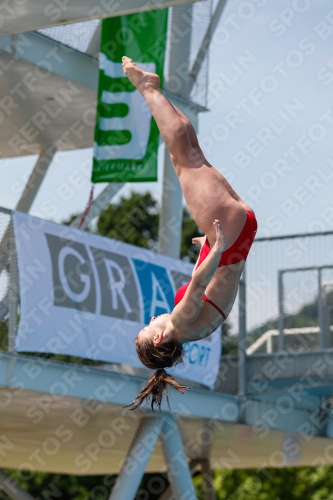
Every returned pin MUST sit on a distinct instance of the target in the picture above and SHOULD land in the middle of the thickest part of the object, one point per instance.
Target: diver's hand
(220, 243)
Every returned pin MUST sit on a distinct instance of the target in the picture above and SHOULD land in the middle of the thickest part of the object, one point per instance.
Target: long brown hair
(162, 356)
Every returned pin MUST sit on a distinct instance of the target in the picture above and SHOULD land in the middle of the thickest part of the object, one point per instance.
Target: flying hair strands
(155, 389)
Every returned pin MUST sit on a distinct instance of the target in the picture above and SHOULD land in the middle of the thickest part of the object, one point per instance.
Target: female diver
(205, 302)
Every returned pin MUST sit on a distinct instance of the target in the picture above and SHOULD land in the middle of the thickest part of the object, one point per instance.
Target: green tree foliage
(188, 251)
(45, 486)
(152, 486)
(135, 220)
(291, 483)
(230, 342)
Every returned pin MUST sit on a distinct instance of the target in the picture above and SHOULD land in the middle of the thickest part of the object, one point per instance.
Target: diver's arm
(204, 273)
(188, 309)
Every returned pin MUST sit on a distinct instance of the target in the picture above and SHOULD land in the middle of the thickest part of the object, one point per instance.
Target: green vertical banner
(126, 135)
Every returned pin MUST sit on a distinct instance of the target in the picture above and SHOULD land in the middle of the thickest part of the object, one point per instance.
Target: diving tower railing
(267, 337)
(323, 309)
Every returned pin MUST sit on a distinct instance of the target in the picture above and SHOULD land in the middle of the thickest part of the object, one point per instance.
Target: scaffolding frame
(322, 306)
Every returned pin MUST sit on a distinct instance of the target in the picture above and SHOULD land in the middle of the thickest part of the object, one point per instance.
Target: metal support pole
(328, 321)
(12, 489)
(36, 178)
(102, 201)
(207, 480)
(281, 311)
(321, 316)
(327, 315)
(178, 80)
(178, 469)
(168, 494)
(12, 293)
(137, 458)
(242, 336)
(170, 225)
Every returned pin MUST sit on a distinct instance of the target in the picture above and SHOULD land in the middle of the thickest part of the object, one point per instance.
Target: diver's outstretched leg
(206, 191)
(195, 145)
(171, 126)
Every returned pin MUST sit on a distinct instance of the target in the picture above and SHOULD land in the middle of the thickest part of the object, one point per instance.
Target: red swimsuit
(236, 253)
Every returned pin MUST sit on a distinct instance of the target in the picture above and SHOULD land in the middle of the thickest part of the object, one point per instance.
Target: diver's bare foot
(198, 241)
(140, 79)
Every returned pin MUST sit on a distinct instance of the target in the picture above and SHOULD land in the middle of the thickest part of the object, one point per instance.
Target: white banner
(89, 296)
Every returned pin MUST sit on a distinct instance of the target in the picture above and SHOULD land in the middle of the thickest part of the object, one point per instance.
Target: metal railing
(267, 338)
(284, 300)
(323, 309)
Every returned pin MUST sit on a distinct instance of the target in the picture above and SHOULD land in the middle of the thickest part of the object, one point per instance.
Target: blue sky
(287, 45)
(269, 128)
